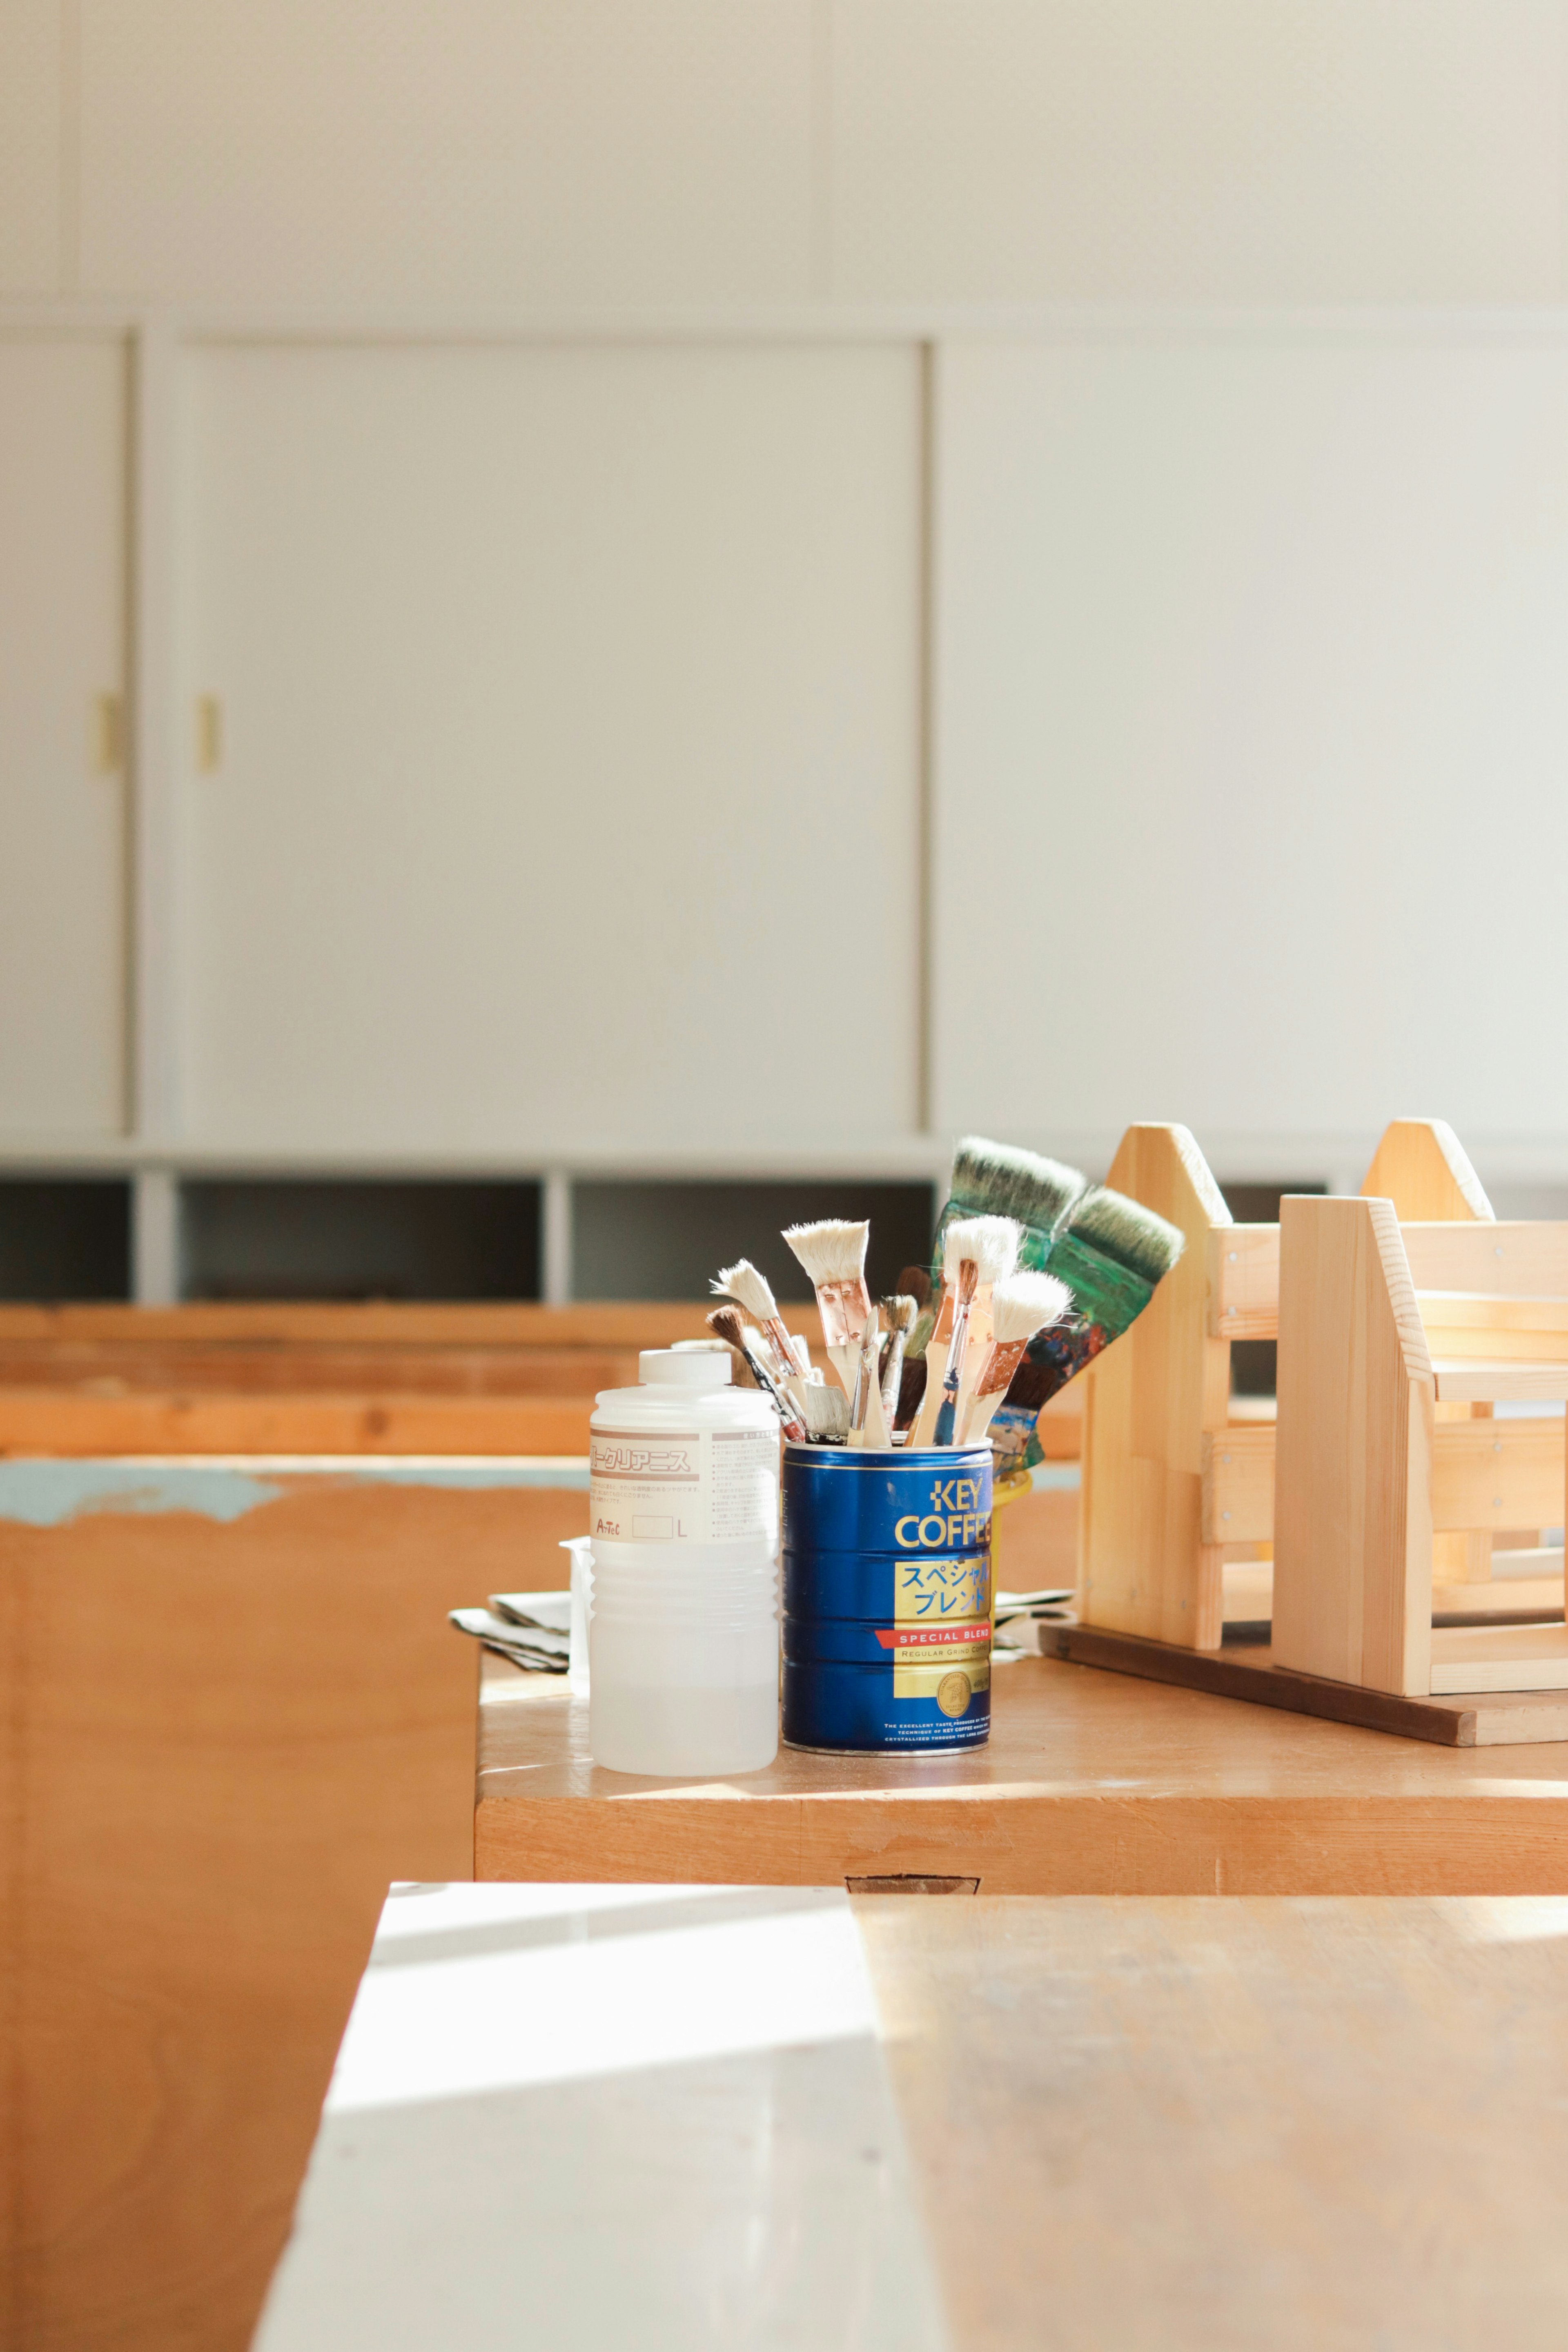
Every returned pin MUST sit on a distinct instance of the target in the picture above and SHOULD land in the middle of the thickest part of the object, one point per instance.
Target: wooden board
(1244, 1282)
(1352, 1526)
(992, 2125)
(1091, 1783)
(632, 1324)
(1150, 1397)
(235, 1711)
(1523, 1260)
(1422, 1167)
(1514, 1383)
(1522, 1658)
(1253, 1673)
(49, 1420)
(1495, 1474)
(1205, 2127)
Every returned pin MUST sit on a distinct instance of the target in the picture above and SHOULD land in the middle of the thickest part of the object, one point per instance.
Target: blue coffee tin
(887, 1598)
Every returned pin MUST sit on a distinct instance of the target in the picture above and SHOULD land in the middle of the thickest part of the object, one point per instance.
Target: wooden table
(1092, 1783)
(682, 2118)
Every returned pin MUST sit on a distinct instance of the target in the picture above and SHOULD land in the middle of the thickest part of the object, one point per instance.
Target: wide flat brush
(752, 1291)
(1021, 1304)
(833, 1254)
(977, 1251)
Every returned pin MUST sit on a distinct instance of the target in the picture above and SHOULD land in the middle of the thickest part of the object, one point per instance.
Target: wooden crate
(1177, 1481)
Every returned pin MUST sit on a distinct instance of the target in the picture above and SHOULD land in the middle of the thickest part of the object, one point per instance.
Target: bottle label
(692, 1485)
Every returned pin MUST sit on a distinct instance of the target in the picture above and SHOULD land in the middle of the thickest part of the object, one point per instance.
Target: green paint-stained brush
(1109, 1250)
(998, 1179)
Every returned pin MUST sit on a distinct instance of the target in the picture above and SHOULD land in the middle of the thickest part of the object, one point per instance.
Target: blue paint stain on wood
(51, 1494)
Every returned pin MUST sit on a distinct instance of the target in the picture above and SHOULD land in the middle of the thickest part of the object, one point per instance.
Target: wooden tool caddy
(1403, 1316)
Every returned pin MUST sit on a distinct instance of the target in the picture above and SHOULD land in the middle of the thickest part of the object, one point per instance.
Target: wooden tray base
(1473, 1719)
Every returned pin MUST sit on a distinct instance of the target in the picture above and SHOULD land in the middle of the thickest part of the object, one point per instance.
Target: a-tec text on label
(955, 1517)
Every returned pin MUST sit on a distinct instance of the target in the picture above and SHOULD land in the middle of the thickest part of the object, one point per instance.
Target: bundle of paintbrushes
(1107, 1253)
(998, 1311)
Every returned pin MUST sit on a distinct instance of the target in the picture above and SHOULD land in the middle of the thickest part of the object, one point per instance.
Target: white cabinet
(62, 791)
(1253, 762)
(568, 784)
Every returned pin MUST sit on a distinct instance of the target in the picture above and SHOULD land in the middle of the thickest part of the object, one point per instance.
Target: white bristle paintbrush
(868, 1421)
(1021, 1304)
(753, 1292)
(977, 1252)
(833, 1254)
(898, 1313)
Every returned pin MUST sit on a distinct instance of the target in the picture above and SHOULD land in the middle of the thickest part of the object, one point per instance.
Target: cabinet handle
(209, 734)
(106, 730)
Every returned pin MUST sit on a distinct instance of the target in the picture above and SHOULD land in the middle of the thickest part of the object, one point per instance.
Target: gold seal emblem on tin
(953, 1694)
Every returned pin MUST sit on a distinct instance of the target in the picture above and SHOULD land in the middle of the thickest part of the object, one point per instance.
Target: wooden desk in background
(234, 1709)
(1092, 1783)
(676, 2117)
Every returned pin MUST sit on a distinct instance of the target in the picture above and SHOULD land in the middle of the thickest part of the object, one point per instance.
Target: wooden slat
(1479, 1380)
(1504, 1718)
(1499, 1658)
(1352, 1528)
(610, 1324)
(1244, 1282)
(1494, 1474)
(1239, 1484)
(1497, 1474)
(41, 1421)
(111, 1366)
(1527, 1260)
(1143, 1566)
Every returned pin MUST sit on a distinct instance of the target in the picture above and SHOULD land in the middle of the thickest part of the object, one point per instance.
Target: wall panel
(30, 122)
(568, 792)
(1250, 150)
(1254, 734)
(469, 156)
(62, 805)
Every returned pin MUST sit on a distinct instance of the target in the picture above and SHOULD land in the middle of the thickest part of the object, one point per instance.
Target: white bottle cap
(683, 1367)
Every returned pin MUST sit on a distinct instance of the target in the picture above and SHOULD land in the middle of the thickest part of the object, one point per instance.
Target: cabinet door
(1252, 660)
(566, 779)
(62, 800)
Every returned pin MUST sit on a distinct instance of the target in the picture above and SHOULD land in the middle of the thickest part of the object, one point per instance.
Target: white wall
(482, 153)
(1226, 593)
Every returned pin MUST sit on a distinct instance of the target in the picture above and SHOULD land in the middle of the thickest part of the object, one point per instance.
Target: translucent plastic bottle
(683, 1510)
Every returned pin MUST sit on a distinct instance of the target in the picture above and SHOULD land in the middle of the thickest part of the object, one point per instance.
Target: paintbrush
(826, 1410)
(1109, 1250)
(998, 1179)
(916, 1281)
(740, 1370)
(977, 1252)
(1021, 1304)
(751, 1291)
(731, 1325)
(833, 1254)
(898, 1313)
(868, 1421)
